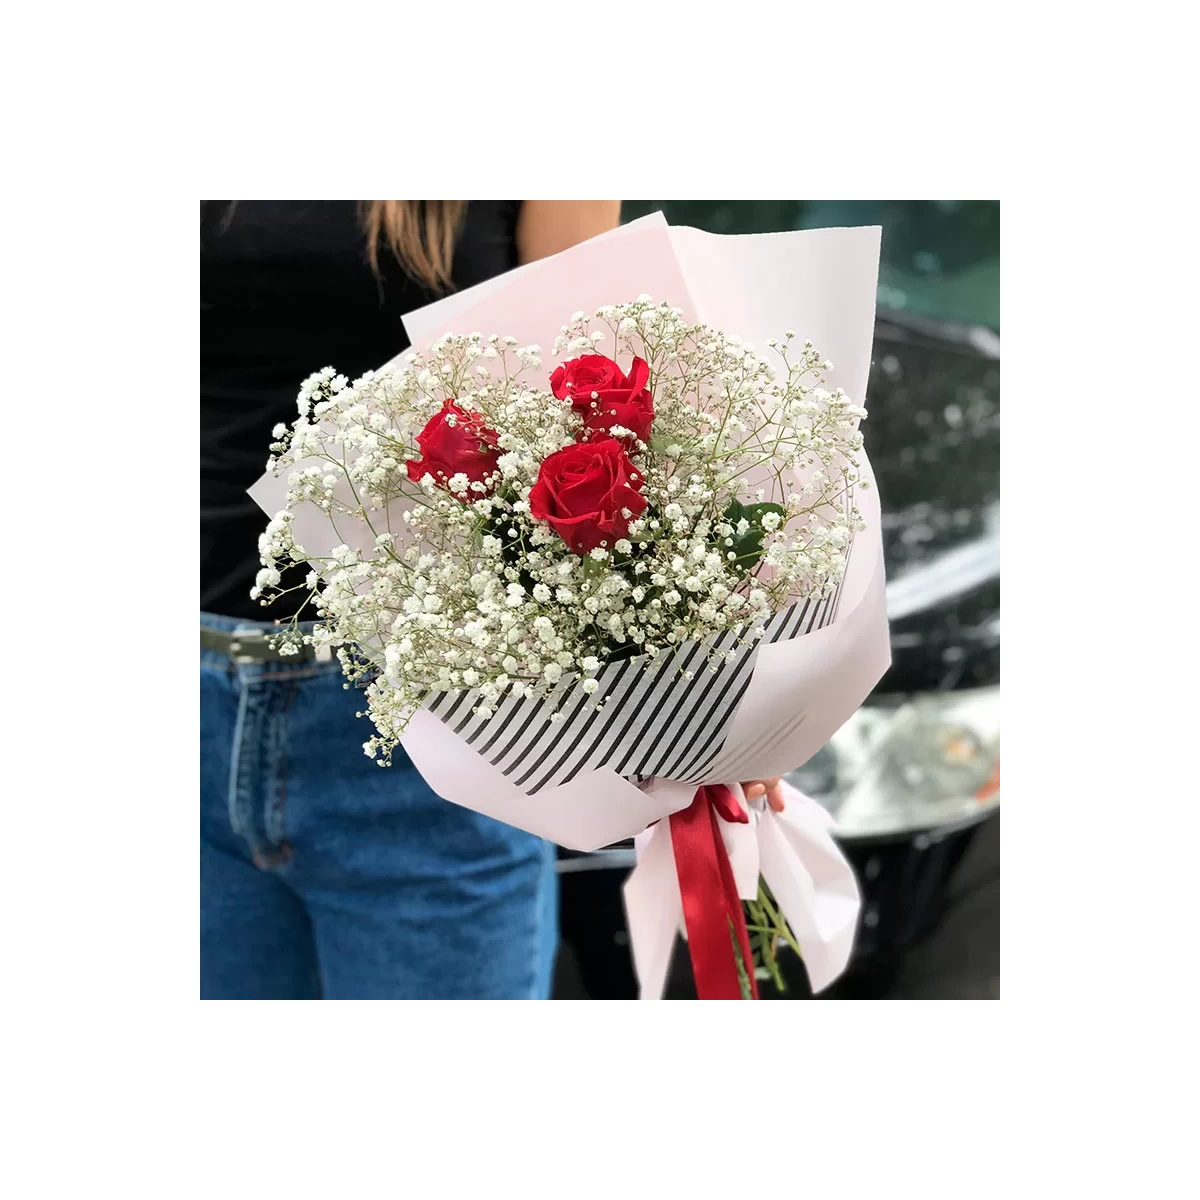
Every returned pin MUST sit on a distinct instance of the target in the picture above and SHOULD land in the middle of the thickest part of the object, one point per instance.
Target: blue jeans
(324, 876)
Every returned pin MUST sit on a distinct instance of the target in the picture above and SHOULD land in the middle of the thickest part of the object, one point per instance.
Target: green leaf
(747, 546)
(661, 441)
(742, 974)
(754, 513)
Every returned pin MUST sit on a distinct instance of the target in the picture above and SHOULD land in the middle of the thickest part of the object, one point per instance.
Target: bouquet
(551, 577)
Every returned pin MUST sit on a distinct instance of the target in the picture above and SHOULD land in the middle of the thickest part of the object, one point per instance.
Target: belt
(252, 646)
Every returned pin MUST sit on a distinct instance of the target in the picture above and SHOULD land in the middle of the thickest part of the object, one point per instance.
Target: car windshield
(940, 259)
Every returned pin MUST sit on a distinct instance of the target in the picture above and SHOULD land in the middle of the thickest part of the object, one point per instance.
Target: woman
(323, 876)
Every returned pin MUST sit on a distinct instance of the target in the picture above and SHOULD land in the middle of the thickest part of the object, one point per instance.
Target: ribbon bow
(701, 863)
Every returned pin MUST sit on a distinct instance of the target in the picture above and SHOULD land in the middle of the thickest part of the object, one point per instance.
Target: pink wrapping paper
(821, 283)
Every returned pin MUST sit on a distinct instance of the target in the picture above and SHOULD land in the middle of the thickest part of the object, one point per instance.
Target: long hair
(420, 233)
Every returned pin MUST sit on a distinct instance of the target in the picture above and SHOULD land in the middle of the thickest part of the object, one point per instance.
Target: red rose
(620, 399)
(455, 441)
(584, 491)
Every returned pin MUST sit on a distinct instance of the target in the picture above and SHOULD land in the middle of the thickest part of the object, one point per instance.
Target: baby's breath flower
(455, 585)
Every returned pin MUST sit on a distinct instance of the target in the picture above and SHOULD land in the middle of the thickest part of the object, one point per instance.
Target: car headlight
(928, 761)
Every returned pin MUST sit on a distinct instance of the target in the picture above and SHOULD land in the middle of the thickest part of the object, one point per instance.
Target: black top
(286, 289)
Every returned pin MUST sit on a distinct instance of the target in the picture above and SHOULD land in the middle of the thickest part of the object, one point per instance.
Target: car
(913, 778)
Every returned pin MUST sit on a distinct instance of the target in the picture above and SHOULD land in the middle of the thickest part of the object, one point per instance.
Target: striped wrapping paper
(644, 719)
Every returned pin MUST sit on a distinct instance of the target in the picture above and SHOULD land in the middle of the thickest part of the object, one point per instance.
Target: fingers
(771, 788)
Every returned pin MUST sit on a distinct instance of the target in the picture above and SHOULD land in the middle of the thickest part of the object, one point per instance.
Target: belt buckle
(245, 642)
(253, 646)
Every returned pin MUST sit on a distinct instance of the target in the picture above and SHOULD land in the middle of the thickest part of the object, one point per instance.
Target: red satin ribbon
(710, 899)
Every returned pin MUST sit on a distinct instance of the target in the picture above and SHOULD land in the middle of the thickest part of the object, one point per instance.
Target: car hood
(933, 436)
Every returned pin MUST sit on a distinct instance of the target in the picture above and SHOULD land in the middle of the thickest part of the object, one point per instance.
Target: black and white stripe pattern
(652, 721)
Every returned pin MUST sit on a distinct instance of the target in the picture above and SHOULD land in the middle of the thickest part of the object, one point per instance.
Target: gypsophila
(734, 501)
